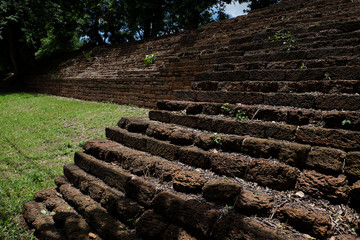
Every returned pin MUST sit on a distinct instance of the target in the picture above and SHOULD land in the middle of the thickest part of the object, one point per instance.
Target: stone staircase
(265, 144)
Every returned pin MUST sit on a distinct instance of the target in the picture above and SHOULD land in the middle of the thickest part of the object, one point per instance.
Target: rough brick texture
(264, 145)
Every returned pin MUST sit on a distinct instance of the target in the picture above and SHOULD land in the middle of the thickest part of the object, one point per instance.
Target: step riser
(315, 101)
(133, 187)
(341, 139)
(335, 73)
(97, 216)
(264, 172)
(114, 201)
(327, 119)
(331, 87)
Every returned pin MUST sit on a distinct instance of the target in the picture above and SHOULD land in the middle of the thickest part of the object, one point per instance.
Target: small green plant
(266, 26)
(132, 221)
(286, 37)
(327, 76)
(88, 56)
(226, 109)
(240, 115)
(229, 207)
(149, 59)
(81, 144)
(217, 138)
(303, 66)
(346, 121)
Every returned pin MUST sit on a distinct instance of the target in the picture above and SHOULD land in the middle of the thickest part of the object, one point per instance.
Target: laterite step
(328, 86)
(333, 73)
(349, 120)
(315, 100)
(338, 138)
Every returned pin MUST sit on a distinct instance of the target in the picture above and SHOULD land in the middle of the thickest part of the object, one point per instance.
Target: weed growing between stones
(286, 37)
(346, 121)
(226, 109)
(88, 56)
(240, 115)
(149, 59)
(217, 138)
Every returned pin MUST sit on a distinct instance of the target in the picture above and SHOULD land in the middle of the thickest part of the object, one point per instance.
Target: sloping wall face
(265, 144)
(119, 74)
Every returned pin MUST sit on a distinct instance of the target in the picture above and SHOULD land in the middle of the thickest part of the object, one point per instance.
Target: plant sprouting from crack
(346, 121)
(226, 109)
(240, 115)
(88, 56)
(149, 59)
(217, 137)
(303, 66)
(327, 76)
(132, 221)
(284, 36)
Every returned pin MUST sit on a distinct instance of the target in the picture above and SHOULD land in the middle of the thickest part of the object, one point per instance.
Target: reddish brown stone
(182, 137)
(42, 195)
(97, 217)
(112, 199)
(44, 223)
(112, 175)
(151, 225)
(140, 190)
(232, 143)
(337, 138)
(133, 140)
(221, 191)
(97, 148)
(338, 101)
(352, 165)
(306, 220)
(77, 228)
(178, 210)
(355, 193)
(32, 210)
(302, 117)
(323, 186)
(61, 180)
(171, 105)
(291, 153)
(229, 165)
(194, 156)
(326, 159)
(194, 108)
(162, 149)
(205, 141)
(187, 181)
(271, 174)
(237, 226)
(251, 203)
(159, 131)
(134, 124)
(177, 233)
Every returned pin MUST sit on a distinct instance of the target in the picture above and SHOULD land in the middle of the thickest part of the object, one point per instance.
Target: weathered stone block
(221, 191)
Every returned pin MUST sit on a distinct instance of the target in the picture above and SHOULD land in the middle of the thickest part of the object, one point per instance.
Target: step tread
(290, 115)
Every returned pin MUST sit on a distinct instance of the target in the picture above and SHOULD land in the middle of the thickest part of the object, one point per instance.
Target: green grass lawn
(38, 135)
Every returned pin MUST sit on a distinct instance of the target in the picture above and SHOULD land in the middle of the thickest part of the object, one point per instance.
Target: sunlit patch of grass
(38, 135)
